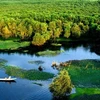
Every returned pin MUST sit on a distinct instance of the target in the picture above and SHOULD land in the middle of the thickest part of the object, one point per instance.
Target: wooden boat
(9, 79)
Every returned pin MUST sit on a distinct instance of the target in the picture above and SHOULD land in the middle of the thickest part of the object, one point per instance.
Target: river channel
(24, 89)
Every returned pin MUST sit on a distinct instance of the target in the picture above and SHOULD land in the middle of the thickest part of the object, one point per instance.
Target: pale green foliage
(36, 26)
(38, 39)
(2, 24)
(76, 31)
(22, 30)
(84, 28)
(67, 29)
(61, 84)
(59, 24)
(57, 33)
(52, 26)
(30, 30)
(55, 28)
(43, 27)
(6, 32)
(41, 38)
(46, 35)
(13, 28)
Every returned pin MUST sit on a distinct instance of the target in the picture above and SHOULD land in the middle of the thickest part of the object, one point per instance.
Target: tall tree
(6, 33)
(38, 39)
(61, 84)
(43, 27)
(67, 29)
(76, 31)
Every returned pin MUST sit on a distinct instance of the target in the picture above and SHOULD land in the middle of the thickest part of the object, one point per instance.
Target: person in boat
(9, 77)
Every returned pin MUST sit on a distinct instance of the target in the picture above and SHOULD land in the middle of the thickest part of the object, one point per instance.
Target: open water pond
(24, 89)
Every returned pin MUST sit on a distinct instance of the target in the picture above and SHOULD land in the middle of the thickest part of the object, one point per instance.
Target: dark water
(24, 89)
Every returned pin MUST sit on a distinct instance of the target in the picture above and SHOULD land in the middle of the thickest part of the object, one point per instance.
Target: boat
(9, 79)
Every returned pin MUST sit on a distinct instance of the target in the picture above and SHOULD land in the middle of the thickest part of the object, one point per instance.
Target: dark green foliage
(27, 74)
(85, 73)
(76, 31)
(87, 63)
(87, 97)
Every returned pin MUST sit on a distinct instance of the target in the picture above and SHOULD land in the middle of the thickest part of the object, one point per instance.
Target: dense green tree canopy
(52, 19)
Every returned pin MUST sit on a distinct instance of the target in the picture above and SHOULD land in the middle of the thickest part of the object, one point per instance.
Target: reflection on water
(24, 89)
(9, 82)
(23, 60)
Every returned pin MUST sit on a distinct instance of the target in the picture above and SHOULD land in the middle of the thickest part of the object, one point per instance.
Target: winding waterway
(24, 89)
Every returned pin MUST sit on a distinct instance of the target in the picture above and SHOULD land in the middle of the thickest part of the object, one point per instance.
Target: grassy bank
(27, 74)
(86, 94)
(12, 45)
(85, 75)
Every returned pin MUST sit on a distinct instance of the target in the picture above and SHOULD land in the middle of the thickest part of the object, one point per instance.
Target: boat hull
(7, 80)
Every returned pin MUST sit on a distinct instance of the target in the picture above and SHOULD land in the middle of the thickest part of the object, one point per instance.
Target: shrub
(61, 85)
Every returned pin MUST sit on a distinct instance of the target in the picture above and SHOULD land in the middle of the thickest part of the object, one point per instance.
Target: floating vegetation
(56, 44)
(2, 62)
(12, 45)
(36, 62)
(27, 74)
(49, 53)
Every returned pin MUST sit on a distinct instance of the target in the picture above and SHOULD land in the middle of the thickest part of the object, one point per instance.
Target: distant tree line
(62, 19)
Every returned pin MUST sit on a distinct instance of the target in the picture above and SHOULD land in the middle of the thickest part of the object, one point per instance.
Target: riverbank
(86, 78)
(84, 68)
(84, 75)
(12, 45)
